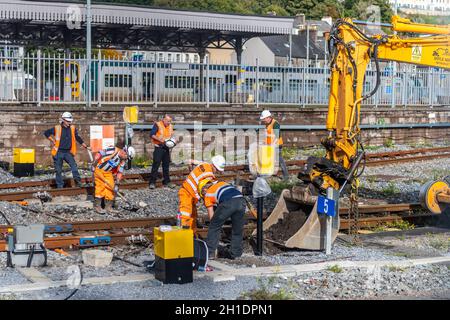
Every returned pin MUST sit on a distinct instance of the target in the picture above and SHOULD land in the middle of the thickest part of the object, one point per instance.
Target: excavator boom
(351, 51)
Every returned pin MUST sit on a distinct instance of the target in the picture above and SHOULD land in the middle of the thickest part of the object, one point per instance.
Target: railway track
(82, 234)
(241, 171)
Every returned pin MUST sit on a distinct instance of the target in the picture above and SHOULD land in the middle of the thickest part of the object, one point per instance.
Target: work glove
(92, 168)
(116, 188)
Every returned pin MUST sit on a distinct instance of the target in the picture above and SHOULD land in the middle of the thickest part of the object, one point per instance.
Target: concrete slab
(34, 275)
(216, 276)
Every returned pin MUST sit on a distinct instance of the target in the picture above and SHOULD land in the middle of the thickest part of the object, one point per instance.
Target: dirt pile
(286, 227)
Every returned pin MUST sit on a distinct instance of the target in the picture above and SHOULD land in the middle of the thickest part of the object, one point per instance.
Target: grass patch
(438, 174)
(440, 244)
(402, 254)
(289, 153)
(278, 186)
(142, 161)
(316, 152)
(263, 291)
(390, 190)
(388, 143)
(393, 268)
(399, 224)
(335, 268)
(372, 148)
(402, 225)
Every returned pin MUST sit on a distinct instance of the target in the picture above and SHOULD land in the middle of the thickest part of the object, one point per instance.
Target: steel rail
(27, 194)
(184, 172)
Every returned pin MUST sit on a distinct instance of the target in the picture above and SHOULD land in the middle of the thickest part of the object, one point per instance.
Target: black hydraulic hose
(45, 254)
(30, 257)
(76, 289)
(378, 79)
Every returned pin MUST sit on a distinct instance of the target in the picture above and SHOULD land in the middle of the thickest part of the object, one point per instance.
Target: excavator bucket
(294, 222)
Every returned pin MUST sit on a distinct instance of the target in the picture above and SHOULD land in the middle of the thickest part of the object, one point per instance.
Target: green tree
(368, 9)
(315, 9)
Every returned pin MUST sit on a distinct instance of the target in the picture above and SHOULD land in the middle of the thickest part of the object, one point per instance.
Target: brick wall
(22, 126)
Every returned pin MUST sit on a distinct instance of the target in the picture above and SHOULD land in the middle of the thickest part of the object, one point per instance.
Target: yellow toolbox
(174, 252)
(173, 243)
(24, 160)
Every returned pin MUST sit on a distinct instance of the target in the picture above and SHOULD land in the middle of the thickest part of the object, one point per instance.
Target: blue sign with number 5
(326, 206)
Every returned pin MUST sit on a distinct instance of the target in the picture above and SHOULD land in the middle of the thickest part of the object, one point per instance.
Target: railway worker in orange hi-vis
(273, 137)
(188, 195)
(64, 138)
(163, 141)
(108, 168)
(223, 201)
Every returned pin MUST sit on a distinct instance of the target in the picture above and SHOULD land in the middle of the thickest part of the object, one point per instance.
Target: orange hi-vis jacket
(188, 194)
(73, 148)
(109, 164)
(109, 161)
(271, 133)
(202, 171)
(163, 132)
(220, 190)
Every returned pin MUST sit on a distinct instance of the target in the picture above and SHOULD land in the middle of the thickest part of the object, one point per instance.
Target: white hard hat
(218, 162)
(170, 143)
(131, 152)
(67, 116)
(265, 114)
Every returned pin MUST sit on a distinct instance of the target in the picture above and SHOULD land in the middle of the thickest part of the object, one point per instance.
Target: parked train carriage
(127, 81)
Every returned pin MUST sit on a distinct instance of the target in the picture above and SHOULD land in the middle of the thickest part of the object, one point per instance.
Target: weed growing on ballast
(393, 268)
(388, 143)
(263, 291)
(335, 268)
(390, 189)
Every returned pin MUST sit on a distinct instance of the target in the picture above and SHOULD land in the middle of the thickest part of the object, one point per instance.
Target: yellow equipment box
(130, 114)
(266, 160)
(24, 162)
(174, 252)
(175, 243)
(23, 155)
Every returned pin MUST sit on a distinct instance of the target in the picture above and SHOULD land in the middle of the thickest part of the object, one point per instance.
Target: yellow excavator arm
(351, 51)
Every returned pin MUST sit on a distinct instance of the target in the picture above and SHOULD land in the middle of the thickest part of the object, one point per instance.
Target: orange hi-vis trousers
(102, 190)
(188, 209)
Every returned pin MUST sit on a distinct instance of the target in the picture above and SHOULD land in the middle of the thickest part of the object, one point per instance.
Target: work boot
(152, 186)
(109, 207)
(170, 185)
(98, 206)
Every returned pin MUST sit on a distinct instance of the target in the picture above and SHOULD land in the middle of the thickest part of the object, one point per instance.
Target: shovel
(133, 207)
(251, 208)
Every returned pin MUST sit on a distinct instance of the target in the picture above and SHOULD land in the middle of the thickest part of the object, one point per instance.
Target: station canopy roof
(63, 24)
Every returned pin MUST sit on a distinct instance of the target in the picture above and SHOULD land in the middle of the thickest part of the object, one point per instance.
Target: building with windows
(427, 7)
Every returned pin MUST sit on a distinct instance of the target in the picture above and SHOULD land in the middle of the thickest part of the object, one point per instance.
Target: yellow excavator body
(350, 53)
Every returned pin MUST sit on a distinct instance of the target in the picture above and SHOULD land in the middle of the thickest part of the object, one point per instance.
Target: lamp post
(88, 52)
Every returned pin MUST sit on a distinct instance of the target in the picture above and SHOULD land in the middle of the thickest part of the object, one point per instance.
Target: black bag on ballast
(200, 255)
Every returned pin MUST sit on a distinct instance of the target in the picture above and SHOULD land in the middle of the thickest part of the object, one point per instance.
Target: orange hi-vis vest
(213, 194)
(73, 148)
(200, 172)
(271, 136)
(163, 132)
(110, 160)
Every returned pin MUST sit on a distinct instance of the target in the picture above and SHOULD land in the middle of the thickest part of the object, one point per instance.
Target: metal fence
(41, 78)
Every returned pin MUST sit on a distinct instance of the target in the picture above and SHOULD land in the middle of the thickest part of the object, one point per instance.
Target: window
(118, 81)
(181, 82)
(169, 57)
(178, 57)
